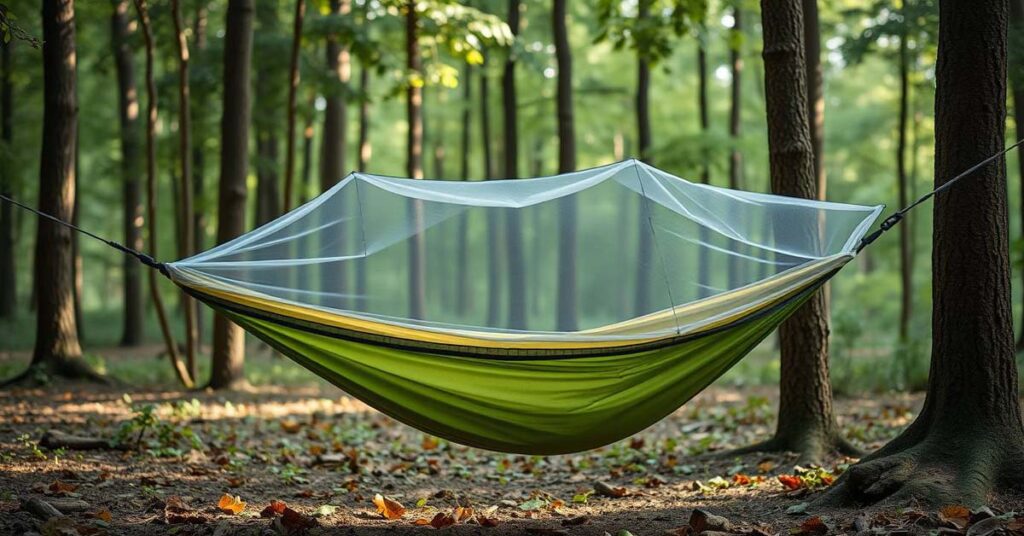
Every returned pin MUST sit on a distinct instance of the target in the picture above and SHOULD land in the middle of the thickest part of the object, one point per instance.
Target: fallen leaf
(296, 522)
(702, 520)
(429, 442)
(442, 520)
(791, 481)
(325, 510)
(486, 521)
(177, 511)
(813, 525)
(291, 426)
(102, 514)
(955, 514)
(389, 508)
(231, 504)
(421, 521)
(606, 490)
(58, 487)
(274, 509)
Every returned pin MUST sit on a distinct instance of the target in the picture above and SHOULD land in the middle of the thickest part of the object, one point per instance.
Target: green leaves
(651, 27)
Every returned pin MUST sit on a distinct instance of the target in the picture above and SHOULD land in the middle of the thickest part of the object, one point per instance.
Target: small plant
(27, 442)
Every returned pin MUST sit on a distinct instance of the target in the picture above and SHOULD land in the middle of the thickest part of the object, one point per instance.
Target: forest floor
(319, 458)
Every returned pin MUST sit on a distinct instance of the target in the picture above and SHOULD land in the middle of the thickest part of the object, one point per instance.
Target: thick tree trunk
(806, 420)
(906, 253)
(703, 260)
(57, 350)
(735, 121)
(968, 441)
(414, 159)
(151, 117)
(186, 234)
(566, 298)
(293, 88)
(644, 252)
(8, 282)
(513, 232)
(229, 339)
(128, 113)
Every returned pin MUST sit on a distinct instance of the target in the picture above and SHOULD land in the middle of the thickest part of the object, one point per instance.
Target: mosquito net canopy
(616, 253)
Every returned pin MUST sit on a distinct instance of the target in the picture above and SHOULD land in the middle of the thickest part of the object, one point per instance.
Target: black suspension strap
(897, 216)
(142, 257)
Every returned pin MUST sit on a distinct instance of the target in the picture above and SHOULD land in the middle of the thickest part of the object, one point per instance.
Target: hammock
(539, 316)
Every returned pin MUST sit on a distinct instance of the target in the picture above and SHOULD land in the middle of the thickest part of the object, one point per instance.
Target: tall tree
(57, 350)
(641, 300)
(293, 88)
(334, 143)
(806, 422)
(151, 215)
(1016, 76)
(462, 240)
(735, 119)
(493, 223)
(186, 235)
(906, 253)
(566, 299)
(414, 156)
(128, 112)
(229, 339)
(365, 149)
(513, 232)
(266, 123)
(968, 440)
(8, 282)
(815, 91)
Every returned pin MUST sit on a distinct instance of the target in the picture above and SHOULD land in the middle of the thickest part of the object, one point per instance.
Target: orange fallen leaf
(956, 514)
(741, 479)
(102, 514)
(487, 521)
(61, 488)
(291, 426)
(275, 508)
(791, 482)
(430, 443)
(813, 525)
(421, 521)
(389, 508)
(231, 504)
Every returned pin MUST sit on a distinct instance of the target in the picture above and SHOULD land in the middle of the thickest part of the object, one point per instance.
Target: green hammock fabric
(547, 406)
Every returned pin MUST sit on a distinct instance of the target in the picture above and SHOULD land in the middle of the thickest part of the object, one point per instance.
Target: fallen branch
(41, 509)
(55, 439)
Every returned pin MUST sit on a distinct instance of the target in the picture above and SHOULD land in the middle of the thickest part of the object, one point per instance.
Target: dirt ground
(326, 456)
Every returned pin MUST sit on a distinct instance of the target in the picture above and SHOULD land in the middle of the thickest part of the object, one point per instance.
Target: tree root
(69, 369)
(811, 449)
(936, 471)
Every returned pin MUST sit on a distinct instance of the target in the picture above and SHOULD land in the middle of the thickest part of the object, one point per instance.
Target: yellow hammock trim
(792, 281)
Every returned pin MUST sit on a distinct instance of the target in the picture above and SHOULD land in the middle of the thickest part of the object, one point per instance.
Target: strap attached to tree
(897, 216)
(142, 257)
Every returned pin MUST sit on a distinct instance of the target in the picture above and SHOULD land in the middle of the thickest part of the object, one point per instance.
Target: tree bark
(414, 158)
(703, 260)
(293, 88)
(906, 253)
(8, 273)
(645, 249)
(365, 152)
(806, 422)
(513, 223)
(199, 208)
(968, 441)
(462, 239)
(566, 299)
(186, 235)
(128, 113)
(57, 350)
(229, 339)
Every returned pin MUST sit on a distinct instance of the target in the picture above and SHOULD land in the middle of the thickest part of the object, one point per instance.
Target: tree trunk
(293, 87)
(307, 154)
(8, 281)
(735, 122)
(128, 112)
(365, 152)
(645, 250)
(199, 208)
(815, 92)
(151, 117)
(806, 420)
(968, 441)
(493, 222)
(229, 339)
(265, 124)
(186, 245)
(566, 300)
(513, 231)
(57, 350)
(414, 159)
(703, 260)
(462, 239)
(906, 254)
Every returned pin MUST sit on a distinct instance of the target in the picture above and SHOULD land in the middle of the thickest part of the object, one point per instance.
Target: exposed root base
(811, 449)
(934, 472)
(69, 369)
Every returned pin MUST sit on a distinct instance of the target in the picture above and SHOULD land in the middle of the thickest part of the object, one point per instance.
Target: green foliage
(147, 432)
(651, 27)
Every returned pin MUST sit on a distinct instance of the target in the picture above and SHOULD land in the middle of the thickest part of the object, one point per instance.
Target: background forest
(875, 108)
